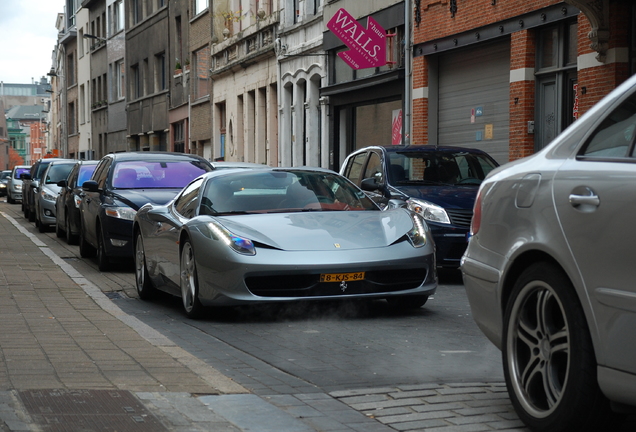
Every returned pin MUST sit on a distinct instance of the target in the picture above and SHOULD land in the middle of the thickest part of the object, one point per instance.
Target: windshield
(20, 171)
(282, 191)
(158, 175)
(57, 173)
(454, 168)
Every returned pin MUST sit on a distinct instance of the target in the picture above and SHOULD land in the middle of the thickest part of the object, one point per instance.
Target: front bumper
(281, 276)
(451, 243)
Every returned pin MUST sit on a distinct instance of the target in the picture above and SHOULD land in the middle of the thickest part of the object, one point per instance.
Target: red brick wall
(599, 81)
(436, 22)
(419, 131)
(522, 96)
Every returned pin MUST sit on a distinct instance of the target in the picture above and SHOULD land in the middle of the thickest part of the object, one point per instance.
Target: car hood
(446, 196)
(345, 230)
(135, 198)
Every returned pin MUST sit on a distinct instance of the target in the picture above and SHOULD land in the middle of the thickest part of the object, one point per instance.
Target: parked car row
(233, 233)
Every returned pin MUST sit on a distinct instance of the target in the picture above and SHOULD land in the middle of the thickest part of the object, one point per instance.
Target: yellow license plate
(341, 277)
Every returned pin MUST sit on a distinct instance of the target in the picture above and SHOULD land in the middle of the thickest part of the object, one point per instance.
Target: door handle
(590, 200)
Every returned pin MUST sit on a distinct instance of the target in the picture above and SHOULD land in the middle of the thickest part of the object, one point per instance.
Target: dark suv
(440, 183)
(119, 186)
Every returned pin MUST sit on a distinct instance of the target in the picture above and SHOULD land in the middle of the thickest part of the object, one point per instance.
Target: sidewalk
(71, 360)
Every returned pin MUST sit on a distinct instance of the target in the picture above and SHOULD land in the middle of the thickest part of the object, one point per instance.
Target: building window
(296, 11)
(82, 101)
(179, 137)
(70, 70)
(161, 3)
(72, 119)
(160, 72)
(136, 11)
(118, 16)
(120, 80)
(200, 6)
(202, 73)
(556, 78)
(135, 83)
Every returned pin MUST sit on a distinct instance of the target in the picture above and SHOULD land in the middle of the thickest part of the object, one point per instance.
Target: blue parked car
(440, 183)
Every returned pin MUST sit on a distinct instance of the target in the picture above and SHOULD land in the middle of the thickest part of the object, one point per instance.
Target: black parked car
(67, 214)
(440, 183)
(120, 185)
(31, 186)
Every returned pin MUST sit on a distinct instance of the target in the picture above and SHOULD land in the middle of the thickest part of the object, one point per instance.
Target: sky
(29, 37)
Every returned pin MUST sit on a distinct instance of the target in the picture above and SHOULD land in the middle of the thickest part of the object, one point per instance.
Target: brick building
(508, 77)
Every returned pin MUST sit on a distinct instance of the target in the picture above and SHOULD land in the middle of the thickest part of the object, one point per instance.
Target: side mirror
(90, 186)
(375, 184)
(369, 184)
(62, 183)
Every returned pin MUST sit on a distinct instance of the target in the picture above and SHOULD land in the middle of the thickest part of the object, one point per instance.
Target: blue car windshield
(254, 191)
(443, 167)
(161, 175)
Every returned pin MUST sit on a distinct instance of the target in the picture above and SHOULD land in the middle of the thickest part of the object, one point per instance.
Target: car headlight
(18, 187)
(3, 185)
(48, 195)
(77, 200)
(238, 244)
(429, 211)
(125, 213)
(417, 235)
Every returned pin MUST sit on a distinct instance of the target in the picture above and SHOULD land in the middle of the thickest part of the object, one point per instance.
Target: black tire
(548, 357)
(70, 237)
(190, 282)
(30, 214)
(145, 289)
(103, 262)
(407, 302)
(86, 250)
(10, 200)
(41, 227)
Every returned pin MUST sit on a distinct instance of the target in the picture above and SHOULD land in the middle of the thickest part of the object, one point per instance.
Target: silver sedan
(237, 236)
(549, 270)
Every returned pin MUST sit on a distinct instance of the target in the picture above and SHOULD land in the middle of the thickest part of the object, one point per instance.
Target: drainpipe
(408, 71)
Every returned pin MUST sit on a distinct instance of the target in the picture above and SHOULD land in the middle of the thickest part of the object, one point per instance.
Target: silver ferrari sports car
(238, 236)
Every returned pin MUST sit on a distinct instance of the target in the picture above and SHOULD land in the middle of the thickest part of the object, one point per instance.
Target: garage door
(474, 95)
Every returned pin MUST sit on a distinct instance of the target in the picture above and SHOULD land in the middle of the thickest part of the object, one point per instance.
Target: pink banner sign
(367, 47)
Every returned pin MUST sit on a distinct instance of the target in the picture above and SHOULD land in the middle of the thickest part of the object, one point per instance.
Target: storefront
(365, 105)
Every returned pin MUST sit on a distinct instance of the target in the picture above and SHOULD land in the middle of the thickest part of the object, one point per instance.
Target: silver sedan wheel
(548, 355)
(189, 282)
(538, 348)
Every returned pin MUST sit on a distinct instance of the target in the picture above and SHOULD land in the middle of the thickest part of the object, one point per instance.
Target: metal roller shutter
(476, 82)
